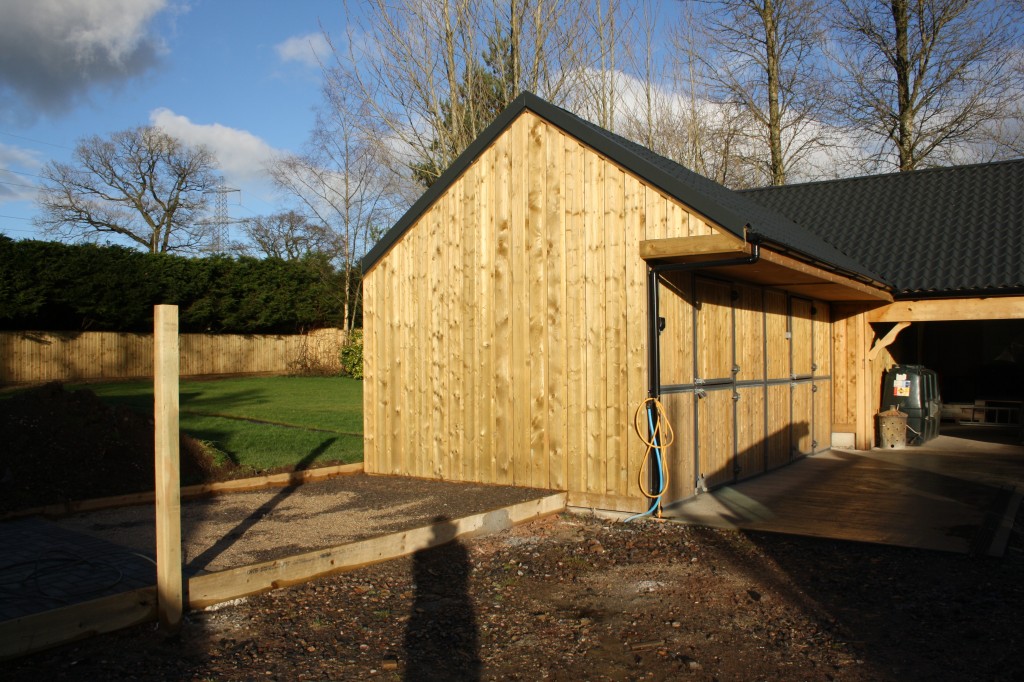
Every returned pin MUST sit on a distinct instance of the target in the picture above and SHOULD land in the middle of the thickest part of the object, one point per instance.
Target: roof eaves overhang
(774, 268)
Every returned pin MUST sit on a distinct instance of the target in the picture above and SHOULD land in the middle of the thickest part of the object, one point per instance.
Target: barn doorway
(980, 365)
(745, 373)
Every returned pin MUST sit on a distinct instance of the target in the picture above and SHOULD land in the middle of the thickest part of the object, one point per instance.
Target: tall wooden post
(170, 592)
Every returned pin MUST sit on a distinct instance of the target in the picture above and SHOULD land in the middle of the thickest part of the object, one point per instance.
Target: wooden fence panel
(36, 357)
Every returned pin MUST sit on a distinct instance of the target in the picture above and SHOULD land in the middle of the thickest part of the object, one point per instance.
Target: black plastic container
(914, 389)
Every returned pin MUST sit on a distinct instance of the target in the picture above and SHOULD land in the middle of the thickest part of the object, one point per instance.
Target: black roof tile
(941, 231)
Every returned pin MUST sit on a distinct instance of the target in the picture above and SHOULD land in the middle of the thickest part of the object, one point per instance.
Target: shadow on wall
(441, 641)
(712, 470)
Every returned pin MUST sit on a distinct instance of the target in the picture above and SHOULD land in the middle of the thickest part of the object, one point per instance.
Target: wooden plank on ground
(191, 491)
(213, 588)
(29, 634)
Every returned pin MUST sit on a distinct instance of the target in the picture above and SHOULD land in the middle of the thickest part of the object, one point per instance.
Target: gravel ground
(576, 598)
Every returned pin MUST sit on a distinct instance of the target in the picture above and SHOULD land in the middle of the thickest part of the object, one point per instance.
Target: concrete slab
(45, 566)
(948, 496)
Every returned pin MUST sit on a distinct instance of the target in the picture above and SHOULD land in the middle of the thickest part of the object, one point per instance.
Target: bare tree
(289, 236)
(141, 184)
(925, 78)
(344, 186)
(761, 58)
(666, 105)
(413, 67)
(597, 87)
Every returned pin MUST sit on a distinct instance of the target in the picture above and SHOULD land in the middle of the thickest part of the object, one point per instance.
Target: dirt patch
(59, 446)
(573, 598)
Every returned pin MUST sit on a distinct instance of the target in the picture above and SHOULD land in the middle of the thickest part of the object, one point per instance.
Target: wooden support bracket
(886, 340)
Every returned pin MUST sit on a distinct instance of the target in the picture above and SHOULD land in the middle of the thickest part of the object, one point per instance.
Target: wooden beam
(213, 588)
(190, 491)
(886, 340)
(951, 309)
(28, 634)
(823, 275)
(773, 269)
(724, 245)
(170, 589)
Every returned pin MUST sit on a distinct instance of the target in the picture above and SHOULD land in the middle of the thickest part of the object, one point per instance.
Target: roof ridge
(880, 176)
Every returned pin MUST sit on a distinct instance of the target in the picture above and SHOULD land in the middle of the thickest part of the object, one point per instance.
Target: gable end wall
(505, 332)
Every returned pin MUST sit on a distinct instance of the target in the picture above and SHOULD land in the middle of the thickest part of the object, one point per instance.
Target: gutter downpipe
(654, 273)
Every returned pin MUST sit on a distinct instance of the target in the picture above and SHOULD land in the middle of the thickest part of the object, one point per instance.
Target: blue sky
(238, 76)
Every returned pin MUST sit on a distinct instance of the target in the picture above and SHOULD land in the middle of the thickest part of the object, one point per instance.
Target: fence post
(170, 588)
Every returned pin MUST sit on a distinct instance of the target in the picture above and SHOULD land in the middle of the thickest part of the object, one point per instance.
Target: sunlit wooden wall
(505, 332)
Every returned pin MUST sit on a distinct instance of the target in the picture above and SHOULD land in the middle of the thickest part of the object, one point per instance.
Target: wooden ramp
(942, 498)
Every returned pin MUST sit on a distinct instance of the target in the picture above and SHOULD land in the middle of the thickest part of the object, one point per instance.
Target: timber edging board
(191, 491)
(29, 634)
(213, 588)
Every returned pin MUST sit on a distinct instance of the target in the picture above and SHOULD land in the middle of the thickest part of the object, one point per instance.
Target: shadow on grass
(232, 536)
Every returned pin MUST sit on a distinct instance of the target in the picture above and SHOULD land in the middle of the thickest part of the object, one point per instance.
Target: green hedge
(49, 286)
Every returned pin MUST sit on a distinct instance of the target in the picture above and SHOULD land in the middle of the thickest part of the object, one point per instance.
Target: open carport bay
(957, 493)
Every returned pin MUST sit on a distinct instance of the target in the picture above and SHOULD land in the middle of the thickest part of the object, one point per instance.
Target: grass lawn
(262, 422)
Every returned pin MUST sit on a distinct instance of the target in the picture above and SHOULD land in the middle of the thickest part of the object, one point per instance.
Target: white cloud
(18, 170)
(242, 155)
(309, 50)
(56, 51)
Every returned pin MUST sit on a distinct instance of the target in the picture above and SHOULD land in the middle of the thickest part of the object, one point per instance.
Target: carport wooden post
(169, 586)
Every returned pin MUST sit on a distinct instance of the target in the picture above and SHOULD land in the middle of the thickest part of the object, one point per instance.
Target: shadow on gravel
(231, 537)
(441, 640)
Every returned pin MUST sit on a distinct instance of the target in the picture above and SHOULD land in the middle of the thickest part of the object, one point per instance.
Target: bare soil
(577, 598)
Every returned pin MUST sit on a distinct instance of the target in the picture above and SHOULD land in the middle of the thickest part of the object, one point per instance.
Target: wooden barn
(557, 275)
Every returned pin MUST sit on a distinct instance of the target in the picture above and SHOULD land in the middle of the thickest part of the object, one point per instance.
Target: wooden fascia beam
(825, 275)
(951, 309)
(684, 247)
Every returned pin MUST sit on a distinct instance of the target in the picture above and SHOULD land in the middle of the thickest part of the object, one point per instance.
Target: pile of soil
(59, 446)
(575, 598)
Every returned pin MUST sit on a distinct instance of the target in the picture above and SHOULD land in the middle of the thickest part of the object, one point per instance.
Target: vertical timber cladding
(505, 329)
(746, 376)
